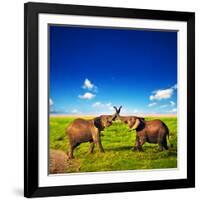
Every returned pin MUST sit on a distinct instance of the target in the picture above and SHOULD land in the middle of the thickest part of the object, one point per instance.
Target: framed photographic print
(109, 99)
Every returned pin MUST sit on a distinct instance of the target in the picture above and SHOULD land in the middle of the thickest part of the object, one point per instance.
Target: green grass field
(117, 141)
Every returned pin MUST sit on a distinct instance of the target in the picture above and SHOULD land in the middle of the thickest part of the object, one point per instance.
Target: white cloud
(164, 106)
(172, 103)
(97, 104)
(173, 110)
(50, 102)
(128, 111)
(152, 104)
(174, 87)
(135, 111)
(75, 111)
(163, 94)
(102, 105)
(87, 95)
(109, 104)
(88, 84)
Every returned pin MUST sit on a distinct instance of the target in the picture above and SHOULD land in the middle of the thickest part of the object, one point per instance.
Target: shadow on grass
(122, 148)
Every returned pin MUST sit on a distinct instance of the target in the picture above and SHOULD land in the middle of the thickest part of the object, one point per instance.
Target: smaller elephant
(152, 131)
(81, 130)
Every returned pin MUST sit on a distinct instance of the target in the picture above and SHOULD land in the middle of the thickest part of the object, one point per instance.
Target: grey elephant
(151, 131)
(82, 130)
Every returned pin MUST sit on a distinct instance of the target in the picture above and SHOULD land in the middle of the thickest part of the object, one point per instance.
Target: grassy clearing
(117, 142)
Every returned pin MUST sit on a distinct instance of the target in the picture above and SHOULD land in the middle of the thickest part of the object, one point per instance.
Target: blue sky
(92, 69)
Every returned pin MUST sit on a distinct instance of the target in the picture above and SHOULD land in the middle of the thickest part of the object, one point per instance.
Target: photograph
(109, 99)
(112, 99)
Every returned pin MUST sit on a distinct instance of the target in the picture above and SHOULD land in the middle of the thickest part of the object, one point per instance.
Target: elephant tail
(167, 130)
(168, 135)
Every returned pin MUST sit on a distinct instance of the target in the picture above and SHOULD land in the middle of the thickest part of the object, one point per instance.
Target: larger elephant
(82, 130)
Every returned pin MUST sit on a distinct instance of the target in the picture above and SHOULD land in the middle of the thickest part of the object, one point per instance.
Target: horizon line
(94, 115)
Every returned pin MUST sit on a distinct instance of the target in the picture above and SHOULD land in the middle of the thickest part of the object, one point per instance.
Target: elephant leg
(160, 142)
(138, 148)
(164, 143)
(91, 149)
(71, 150)
(138, 145)
(134, 148)
(160, 146)
(100, 146)
(142, 141)
(97, 141)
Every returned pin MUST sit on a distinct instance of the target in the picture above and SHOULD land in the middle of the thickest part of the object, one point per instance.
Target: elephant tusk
(137, 122)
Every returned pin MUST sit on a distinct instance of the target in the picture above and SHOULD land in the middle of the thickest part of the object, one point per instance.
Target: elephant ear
(97, 123)
(142, 118)
(136, 124)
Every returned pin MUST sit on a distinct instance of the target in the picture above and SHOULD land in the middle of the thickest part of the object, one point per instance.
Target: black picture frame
(31, 12)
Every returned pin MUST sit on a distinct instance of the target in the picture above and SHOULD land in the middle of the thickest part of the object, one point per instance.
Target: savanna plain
(117, 141)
